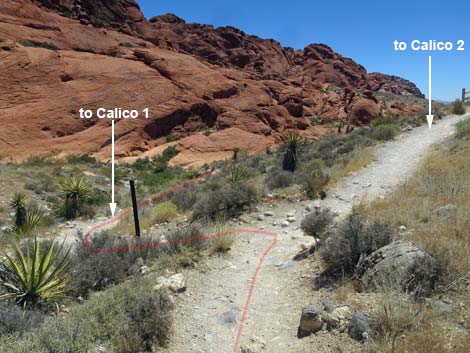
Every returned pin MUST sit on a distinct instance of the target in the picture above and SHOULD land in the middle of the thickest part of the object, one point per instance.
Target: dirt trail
(209, 312)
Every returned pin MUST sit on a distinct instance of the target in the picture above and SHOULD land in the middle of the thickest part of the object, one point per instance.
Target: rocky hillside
(214, 89)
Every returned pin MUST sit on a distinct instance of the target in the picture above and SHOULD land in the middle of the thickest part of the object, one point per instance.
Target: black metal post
(463, 94)
(135, 208)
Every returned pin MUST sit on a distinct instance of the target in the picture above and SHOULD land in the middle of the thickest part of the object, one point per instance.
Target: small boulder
(391, 265)
(175, 283)
(310, 321)
(445, 211)
(359, 326)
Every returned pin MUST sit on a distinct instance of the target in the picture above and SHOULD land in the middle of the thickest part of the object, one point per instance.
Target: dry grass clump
(359, 159)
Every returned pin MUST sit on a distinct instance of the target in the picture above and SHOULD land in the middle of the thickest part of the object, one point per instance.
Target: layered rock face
(213, 88)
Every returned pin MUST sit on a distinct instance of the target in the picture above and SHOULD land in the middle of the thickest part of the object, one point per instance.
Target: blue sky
(361, 30)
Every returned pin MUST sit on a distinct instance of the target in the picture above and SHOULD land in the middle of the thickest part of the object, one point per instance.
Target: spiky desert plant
(293, 141)
(76, 191)
(33, 219)
(237, 173)
(32, 277)
(18, 204)
(236, 150)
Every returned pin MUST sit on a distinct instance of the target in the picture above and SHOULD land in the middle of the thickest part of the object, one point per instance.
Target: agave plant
(33, 219)
(293, 141)
(18, 204)
(76, 191)
(32, 277)
(237, 173)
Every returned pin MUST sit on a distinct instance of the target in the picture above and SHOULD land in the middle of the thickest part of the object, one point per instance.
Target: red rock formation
(192, 77)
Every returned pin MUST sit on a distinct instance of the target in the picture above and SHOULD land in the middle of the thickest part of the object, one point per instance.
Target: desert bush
(165, 211)
(463, 128)
(355, 237)
(128, 318)
(458, 107)
(44, 45)
(96, 272)
(15, 320)
(316, 222)
(384, 132)
(221, 244)
(228, 200)
(185, 198)
(313, 178)
(394, 317)
(279, 179)
(184, 239)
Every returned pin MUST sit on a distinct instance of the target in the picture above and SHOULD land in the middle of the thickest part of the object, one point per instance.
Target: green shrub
(279, 179)
(126, 45)
(316, 222)
(463, 128)
(96, 272)
(313, 179)
(171, 138)
(458, 107)
(44, 45)
(293, 141)
(128, 318)
(355, 237)
(165, 211)
(81, 159)
(15, 320)
(227, 201)
(384, 132)
(185, 198)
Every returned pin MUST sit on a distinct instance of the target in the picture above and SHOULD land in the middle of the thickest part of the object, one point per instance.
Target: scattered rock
(175, 283)
(328, 306)
(254, 345)
(291, 219)
(310, 321)
(304, 253)
(260, 218)
(269, 214)
(285, 224)
(228, 317)
(359, 326)
(445, 211)
(439, 306)
(402, 229)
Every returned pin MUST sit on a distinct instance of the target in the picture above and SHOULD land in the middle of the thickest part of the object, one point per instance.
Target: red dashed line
(159, 197)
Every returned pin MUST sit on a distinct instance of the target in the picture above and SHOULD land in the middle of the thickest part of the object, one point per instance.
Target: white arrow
(430, 117)
(112, 205)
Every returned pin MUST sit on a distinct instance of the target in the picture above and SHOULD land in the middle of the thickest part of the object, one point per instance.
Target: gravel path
(209, 312)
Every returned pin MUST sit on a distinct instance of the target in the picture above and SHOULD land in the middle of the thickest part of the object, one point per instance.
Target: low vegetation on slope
(79, 190)
(433, 210)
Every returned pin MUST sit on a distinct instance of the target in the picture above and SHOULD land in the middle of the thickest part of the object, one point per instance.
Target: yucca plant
(18, 203)
(33, 219)
(237, 173)
(32, 277)
(293, 141)
(76, 191)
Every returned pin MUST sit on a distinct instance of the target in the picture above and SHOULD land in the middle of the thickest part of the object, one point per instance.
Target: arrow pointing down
(112, 205)
(430, 117)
